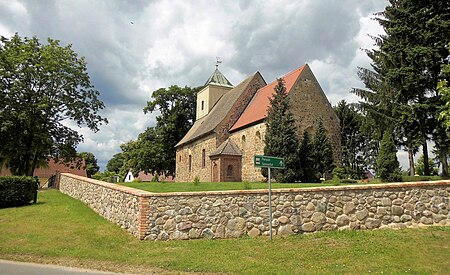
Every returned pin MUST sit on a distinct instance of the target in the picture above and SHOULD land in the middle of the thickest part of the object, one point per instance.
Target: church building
(230, 125)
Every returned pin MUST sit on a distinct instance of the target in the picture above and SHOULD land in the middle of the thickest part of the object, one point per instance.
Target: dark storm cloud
(286, 37)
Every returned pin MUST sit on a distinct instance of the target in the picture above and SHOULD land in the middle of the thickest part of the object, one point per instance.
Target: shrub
(15, 191)
(388, 168)
(196, 180)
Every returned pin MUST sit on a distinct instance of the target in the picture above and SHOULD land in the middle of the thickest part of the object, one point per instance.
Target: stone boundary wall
(232, 214)
(122, 205)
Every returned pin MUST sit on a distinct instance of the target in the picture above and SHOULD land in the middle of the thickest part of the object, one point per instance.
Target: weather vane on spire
(218, 61)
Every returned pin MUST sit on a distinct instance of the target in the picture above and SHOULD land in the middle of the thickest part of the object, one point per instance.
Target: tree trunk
(412, 171)
(426, 166)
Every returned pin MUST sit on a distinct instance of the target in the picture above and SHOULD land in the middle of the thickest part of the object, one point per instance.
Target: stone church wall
(195, 150)
(250, 141)
(308, 104)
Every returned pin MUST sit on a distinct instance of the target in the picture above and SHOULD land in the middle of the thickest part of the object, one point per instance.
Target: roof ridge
(288, 74)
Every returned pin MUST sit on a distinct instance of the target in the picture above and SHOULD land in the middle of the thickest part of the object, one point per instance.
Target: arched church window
(230, 170)
(258, 136)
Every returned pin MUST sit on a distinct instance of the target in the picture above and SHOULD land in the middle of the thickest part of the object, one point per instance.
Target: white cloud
(135, 47)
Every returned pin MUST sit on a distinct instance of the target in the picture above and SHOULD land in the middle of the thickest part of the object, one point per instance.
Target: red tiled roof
(257, 108)
(46, 172)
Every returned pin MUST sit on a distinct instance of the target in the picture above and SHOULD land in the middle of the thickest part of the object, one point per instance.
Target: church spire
(217, 78)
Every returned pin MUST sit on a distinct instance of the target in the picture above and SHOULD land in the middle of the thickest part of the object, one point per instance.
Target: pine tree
(281, 138)
(307, 163)
(323, 152)
(407, 62)
(388, 167)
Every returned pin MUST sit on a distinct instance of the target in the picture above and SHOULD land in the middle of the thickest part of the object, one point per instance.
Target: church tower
(216, 86)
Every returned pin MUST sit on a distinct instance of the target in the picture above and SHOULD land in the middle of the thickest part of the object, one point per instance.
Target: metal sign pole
(270, 205)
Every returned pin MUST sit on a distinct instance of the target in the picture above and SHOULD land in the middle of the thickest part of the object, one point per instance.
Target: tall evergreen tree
(359, 148)
(323, 152)
(281, 136)
(411, 54)
(388, 167)
(306, 157)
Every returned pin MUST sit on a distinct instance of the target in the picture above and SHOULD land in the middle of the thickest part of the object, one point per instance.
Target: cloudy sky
(135, 47)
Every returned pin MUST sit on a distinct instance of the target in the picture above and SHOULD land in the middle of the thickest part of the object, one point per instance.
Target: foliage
(107, 176)
(307, 171)
(388, 168)
(146, 153)
(15, 191)
(42, 86)
(177, 107)
(90, 162)
(281, 137)
(434, 167)
(323, 152)
(196, 180)
(359, 146)
(406, 69)
(117, 164)
(444, 92)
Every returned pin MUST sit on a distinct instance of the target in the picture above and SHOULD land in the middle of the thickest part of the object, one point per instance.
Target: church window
(230, 170)
(258, 135)
(190, 163)
(179, 158)
(203, 158)
(203, 105)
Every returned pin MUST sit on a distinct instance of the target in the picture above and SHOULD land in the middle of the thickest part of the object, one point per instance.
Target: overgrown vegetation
(79, 237)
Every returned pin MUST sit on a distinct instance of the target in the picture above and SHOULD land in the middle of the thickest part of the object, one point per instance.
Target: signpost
(269, 162)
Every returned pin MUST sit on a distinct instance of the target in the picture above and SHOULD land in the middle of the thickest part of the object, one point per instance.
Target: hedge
(15, 191)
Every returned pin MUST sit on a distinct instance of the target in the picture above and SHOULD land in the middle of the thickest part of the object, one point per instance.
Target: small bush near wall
(15, 191)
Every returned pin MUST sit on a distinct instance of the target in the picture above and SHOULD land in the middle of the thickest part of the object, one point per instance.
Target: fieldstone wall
(236, 213)
(119, 204)
(232, 214)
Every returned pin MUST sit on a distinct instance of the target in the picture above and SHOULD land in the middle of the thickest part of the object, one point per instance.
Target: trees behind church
(154, 149)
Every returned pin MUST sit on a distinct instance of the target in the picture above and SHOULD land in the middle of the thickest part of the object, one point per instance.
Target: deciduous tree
(90, 163)
(41, 87)
(176, 106)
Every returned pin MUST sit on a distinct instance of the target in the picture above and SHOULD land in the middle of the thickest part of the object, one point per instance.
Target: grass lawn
(164, 187)
(62, 230)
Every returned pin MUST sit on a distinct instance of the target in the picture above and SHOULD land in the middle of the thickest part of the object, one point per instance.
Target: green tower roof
(218, 78)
